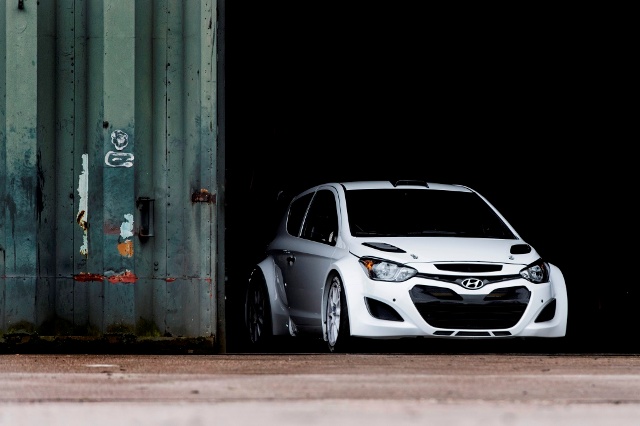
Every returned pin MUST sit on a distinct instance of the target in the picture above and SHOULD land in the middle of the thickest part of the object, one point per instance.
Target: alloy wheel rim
(333, 314)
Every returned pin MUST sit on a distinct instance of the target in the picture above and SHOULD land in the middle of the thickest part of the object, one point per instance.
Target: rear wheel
(337, 317)
(258, 311)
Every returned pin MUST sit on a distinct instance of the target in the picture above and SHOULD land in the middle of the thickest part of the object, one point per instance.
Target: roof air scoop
(413, 182)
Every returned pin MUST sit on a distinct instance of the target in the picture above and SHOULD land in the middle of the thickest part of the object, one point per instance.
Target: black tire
(337, 318)
(258, 312)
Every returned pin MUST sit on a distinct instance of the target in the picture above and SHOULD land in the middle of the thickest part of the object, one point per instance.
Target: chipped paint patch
(82, 217)
(126, 229)
(85, 277)
(126, 248)
(203, 196)
(126, 277)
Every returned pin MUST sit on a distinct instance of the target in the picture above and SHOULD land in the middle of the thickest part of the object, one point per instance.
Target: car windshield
(420, 212)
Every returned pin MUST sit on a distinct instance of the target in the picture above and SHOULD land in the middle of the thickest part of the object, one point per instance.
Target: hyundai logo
(472, 283)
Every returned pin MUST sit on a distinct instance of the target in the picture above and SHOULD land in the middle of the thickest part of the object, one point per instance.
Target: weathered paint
(126, 248)
(203, 196)
(125, 83)
(83, 206)
(126, 229)
(124, 277)
(86, 277)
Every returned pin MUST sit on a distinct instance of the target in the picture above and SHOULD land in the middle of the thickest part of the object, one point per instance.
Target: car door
(310, 259)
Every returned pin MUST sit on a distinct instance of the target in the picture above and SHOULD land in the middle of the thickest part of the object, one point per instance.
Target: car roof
(385, 184)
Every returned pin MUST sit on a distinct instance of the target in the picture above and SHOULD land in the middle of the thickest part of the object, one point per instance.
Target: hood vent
(384, 247)
(520, 249)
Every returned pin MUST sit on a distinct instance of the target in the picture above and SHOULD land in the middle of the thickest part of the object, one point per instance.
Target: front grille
(457, 279)
(469, 267)
(444, 308)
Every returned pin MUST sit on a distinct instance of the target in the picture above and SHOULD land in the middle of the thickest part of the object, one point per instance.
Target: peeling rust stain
(80, 220)
(203, 196)
(126, 248)
(170, 280)
(125, 277)
(85, 277)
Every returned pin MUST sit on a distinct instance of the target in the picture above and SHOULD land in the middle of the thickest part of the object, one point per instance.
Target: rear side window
(321, 224)
(296, 214)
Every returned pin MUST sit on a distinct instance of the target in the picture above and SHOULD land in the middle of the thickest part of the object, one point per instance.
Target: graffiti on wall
(119, 158)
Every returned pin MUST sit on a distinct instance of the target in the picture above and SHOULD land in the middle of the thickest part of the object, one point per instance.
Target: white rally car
(384, 260)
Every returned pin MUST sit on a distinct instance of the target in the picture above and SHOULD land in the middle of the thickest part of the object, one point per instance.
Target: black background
(525, 106)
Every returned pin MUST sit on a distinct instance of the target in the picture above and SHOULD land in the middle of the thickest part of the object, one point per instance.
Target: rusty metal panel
(20, 296)
(71, 159)
(21, 148)
(23, 199)
(177, 260)
(126, 130)
(159, 129)
(46, 199)
(65, 191)
(118, 167)
(90, 216)
(187, 236)
(200, 125)
(4, 213)
(144, 178)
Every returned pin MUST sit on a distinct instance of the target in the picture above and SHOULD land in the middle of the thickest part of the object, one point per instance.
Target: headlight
(537, 272)
(382, 270)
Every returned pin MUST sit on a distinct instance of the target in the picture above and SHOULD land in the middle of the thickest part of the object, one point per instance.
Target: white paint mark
(119, 139)
(83, 214)
(126, 229)
(118, 159)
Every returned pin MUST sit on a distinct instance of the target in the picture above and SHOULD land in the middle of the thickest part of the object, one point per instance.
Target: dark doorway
(501, 103)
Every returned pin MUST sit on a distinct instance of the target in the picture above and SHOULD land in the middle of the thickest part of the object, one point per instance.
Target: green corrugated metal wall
(108, 121)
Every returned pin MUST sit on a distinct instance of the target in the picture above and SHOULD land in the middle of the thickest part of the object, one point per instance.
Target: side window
(296, 214)
(321, 224)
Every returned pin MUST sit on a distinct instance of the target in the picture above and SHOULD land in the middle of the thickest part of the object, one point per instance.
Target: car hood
(409, 250)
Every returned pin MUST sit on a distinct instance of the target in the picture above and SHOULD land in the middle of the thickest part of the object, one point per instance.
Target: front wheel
(338, 336)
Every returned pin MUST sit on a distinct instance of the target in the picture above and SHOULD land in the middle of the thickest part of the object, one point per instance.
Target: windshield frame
(420, 212)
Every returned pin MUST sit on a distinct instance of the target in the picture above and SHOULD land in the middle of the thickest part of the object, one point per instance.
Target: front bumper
(425, 307)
